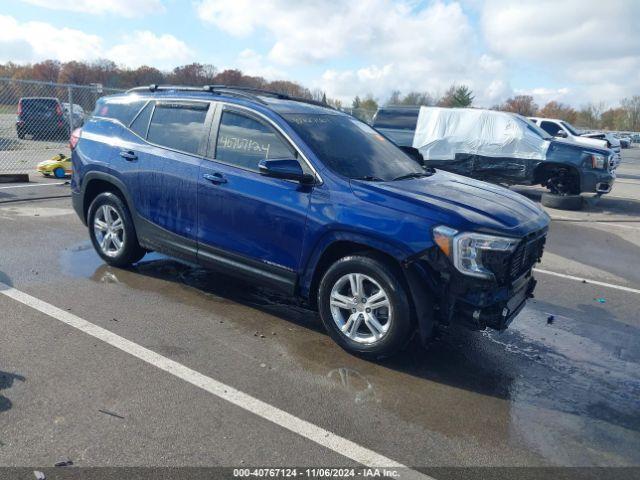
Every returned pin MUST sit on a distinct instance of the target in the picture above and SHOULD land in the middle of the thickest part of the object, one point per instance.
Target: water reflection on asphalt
(568, 391)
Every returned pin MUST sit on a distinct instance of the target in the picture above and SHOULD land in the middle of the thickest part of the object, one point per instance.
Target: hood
(457, 201)
(613, 141)
(561, 143)
(591, 142)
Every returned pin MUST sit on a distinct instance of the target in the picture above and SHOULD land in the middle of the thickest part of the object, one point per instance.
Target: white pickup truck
(562, 129)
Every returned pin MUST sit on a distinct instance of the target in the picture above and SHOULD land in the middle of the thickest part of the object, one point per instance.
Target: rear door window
(121, 109)
(243, 141)
(551, 128)
(179, 125)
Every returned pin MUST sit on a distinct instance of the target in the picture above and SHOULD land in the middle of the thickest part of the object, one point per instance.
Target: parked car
(306, 199)
(624, 139)
(506, 148)
(612, 142)
(74, 114)
(41, 117)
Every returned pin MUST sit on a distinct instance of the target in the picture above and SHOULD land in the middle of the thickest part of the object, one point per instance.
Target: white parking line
(32, 186)
(586, 280)
(319, 435)
(598, 222)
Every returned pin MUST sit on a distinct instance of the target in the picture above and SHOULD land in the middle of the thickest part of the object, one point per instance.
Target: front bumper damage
(444, 297)
(478, 308)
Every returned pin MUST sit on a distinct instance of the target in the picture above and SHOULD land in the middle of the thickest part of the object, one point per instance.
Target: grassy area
(4, 109)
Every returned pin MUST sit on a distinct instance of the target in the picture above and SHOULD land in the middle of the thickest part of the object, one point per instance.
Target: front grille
(527, 254)
(507, 268)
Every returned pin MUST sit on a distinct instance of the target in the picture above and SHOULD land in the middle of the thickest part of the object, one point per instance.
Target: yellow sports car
(59, 166)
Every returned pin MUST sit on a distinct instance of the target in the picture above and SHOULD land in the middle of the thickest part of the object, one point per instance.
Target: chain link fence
(37, 118)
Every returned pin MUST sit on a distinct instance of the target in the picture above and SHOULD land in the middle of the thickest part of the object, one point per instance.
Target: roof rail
(183, 88)
(270, 93)
(156, 88)
(238, 91)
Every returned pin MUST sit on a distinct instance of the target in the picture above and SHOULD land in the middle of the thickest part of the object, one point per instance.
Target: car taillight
(20, 108)
(75, 136)
(58, 110)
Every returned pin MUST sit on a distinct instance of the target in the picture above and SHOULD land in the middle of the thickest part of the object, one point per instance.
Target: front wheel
(364, 306)
(112, 231)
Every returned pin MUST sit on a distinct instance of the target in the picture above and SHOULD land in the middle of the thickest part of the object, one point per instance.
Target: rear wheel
(112, 231)
(364, 306)
(59, 172)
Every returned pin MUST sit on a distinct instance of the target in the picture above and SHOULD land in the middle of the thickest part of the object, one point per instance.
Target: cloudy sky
(574, 51)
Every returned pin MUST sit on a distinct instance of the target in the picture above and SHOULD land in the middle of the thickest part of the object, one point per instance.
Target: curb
(14, 177)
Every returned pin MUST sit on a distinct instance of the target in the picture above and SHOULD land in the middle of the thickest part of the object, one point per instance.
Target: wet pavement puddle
(565, 390)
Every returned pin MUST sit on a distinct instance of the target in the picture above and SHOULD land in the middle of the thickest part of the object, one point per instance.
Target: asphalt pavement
(167, 364)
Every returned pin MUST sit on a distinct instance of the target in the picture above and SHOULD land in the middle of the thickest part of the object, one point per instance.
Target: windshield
(352, 148)
(571, 129)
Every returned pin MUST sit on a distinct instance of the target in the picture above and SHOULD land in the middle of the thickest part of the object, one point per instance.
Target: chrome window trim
(113, 120)
(214, 103)
(270, 122)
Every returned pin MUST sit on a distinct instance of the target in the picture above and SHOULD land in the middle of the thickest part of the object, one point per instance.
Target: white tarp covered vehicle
(507, 148)
(443, 133)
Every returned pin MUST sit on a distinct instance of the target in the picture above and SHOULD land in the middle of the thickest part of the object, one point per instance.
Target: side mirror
(286, 169)
(561, 134)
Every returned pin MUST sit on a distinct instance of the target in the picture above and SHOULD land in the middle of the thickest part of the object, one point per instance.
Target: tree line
(110, 75)
(593, 116)
(456, 96)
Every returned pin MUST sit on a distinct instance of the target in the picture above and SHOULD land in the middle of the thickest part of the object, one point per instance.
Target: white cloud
(542, 95)
(399, 45)
(32, 41)
(145, 47)
(592, 45)
(35, 41)
(252, 63)
(125, 8)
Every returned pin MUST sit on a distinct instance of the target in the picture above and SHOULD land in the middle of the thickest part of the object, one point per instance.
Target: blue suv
(307, 200)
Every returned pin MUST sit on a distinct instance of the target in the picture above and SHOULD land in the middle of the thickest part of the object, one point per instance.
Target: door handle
(216, 178)
(128, 155)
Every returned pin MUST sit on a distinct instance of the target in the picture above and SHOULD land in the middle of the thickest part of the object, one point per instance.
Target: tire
(391, 326)
(121, 249)
(59, 173)
(561, 202)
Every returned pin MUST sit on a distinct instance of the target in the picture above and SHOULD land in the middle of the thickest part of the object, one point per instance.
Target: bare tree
(632, 108)
(522, 104)
(558, 110)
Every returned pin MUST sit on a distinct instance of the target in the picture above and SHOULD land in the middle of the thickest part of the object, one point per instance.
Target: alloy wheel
(360, 307)
(109, 230)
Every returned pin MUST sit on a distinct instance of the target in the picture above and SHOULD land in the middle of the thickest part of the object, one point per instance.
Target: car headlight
(598, 161)
(466, 249)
